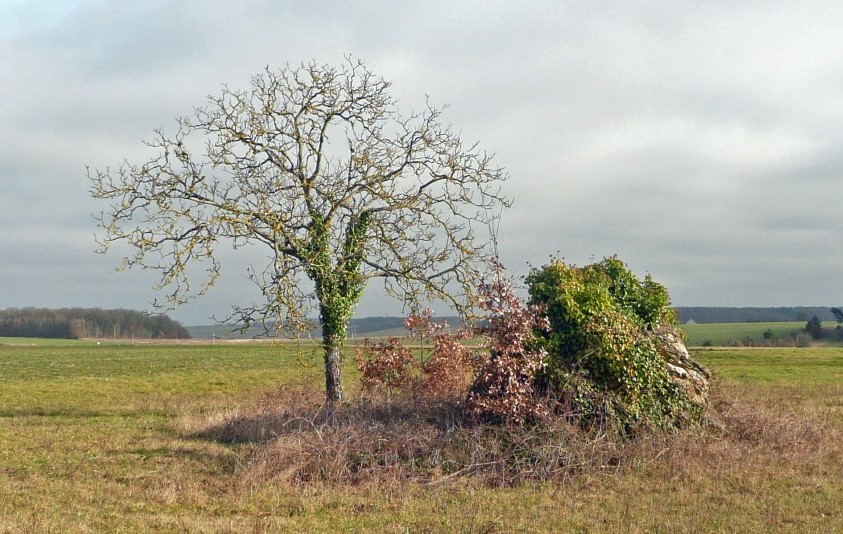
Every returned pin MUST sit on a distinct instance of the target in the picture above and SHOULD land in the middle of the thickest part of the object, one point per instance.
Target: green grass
(85, 378)
(41, 342)
(92, 439)
(804, 380)
(720, 334)
(776, 366)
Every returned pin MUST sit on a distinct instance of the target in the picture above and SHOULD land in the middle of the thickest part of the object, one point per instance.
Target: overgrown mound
(292, 437)
(556, 386)
(613, 354)
(594, 345)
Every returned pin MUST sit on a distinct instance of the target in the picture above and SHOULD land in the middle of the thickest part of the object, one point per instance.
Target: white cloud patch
(699, 141)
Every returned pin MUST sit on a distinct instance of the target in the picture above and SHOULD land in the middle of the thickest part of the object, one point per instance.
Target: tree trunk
(334, 331)
(333, 367)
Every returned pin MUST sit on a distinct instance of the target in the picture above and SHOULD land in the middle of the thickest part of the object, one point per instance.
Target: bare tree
(316, 164)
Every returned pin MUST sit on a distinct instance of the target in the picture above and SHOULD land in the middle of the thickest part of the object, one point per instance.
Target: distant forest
(360, 327)
(752, 315)
(75, 323)
(698, 314)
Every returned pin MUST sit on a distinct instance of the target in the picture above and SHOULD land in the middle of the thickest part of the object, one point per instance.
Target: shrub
(503, 390)
(814, 327)
(603, 357)
(501, 374)
(392, 368)
(595, 341)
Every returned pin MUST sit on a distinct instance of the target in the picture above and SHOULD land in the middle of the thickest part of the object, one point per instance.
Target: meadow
(102, 438)
(722, 334)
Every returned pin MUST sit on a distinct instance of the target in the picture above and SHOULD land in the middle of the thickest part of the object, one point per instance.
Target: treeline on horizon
(361, 326)
(703, 314)
(76, 323)
(357, 327)
(699, 314)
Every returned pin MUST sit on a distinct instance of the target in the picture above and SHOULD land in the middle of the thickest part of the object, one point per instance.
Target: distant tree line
(752, 315)
(357, 327)
(75, 323)
(814, 326)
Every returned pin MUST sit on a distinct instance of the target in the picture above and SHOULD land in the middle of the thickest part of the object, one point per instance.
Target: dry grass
(741, 435)
(173, 451)
(291, 438)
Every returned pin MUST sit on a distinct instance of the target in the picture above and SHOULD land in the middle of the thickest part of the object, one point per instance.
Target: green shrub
(603, 359)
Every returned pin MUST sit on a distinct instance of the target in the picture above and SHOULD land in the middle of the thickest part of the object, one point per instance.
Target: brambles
(501, 373)
(606, 353)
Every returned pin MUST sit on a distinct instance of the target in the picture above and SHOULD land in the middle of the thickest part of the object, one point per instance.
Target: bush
(603, 356)
(501, 373)
(814, 327)
(596, 343)
(393, 369)
(503, 390)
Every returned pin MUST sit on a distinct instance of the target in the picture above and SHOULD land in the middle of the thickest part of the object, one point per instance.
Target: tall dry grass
(292, 437)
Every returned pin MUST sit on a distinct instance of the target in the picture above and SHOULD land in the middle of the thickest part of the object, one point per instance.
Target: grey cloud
(699, 141)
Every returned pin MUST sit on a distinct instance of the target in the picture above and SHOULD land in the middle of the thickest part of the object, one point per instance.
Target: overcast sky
(701, 142)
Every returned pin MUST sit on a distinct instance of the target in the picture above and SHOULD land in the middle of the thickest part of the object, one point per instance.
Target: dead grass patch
(292, 437)
(741, 436)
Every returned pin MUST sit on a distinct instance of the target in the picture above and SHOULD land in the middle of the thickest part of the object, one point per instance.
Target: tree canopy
(316, 164)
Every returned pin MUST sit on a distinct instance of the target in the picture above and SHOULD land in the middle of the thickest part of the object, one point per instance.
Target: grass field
(720, 334)
(94, 438)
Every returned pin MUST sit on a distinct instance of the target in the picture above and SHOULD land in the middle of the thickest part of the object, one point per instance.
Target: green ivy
(603, 359)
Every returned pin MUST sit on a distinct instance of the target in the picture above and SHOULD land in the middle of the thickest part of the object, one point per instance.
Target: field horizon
(697, 335)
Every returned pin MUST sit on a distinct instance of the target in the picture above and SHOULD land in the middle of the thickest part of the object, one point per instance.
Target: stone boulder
(691, 377)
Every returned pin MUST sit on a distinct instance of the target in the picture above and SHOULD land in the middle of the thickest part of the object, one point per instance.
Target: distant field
(42, 342)
(714, 334)
(719, 334)
(92, 439)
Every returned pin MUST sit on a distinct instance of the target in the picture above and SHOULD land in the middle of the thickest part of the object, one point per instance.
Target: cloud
(699, 141)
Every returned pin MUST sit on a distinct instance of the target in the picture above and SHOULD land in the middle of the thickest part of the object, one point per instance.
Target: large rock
(691, 377)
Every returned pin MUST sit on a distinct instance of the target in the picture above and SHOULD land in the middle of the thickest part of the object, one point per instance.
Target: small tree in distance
(814, 327)
(316, 165)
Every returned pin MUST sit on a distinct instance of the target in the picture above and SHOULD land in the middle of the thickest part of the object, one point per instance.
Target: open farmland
(96, 438)
(720, 334)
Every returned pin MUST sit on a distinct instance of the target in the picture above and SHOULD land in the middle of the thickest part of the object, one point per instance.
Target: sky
(701, 142)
